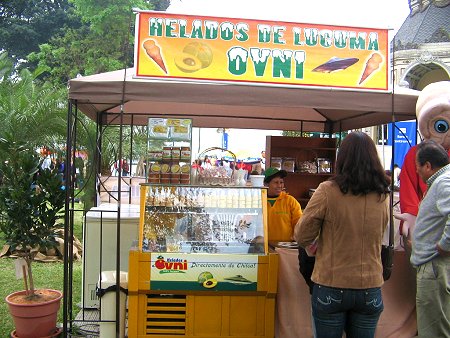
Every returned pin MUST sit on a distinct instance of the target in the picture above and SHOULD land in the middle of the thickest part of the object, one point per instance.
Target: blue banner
(225, 140)
(404, 138)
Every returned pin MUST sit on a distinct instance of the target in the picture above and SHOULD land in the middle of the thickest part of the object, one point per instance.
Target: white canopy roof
(231, 105)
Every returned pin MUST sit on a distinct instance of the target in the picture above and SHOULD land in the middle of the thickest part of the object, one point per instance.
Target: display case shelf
(201, 210)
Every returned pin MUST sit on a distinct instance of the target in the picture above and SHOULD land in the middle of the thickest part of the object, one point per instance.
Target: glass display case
(203, 219)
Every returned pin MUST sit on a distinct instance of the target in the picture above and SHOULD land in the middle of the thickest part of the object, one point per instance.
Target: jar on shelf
(166, 153)
(185, 154)
(175, 178)
(184, 178)
(165, 178)
(154, 155)
(276, 162)
(165, 168)
(323, 166)
(153, 177)
(175, 173)
(288, 164)
(176, 153)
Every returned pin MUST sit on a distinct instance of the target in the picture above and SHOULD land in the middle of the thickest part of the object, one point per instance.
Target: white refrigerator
(100, 245)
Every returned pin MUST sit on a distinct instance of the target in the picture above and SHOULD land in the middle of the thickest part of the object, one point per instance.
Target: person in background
(206, 163)
(60, 165)
(347, 216)
(283, 210)
(431, 242)
(433, 118)
(263, 161)
(46, 163)
(125, 168)
(397, 172)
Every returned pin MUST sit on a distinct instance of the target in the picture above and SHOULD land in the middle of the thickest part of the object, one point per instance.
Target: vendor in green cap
(283, 210)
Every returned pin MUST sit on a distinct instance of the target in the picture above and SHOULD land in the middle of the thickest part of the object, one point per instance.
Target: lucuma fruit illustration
(195, 56)
(204, 276)
(210, 283)
(207, 280)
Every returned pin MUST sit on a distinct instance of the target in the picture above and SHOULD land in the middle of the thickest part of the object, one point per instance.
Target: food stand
(203, 261)
(300, 99)
(203, 267)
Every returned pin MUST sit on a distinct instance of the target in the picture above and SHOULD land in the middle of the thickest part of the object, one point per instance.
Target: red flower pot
(34, 319)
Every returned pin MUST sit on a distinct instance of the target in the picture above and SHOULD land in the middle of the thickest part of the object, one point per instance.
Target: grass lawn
(46, 275)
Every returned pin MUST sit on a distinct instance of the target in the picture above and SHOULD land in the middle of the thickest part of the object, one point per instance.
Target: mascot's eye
(441, 126)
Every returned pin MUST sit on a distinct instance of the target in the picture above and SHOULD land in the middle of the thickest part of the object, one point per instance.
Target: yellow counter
(206, 313)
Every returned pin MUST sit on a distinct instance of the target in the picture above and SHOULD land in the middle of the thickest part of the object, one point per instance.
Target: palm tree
(30, 112)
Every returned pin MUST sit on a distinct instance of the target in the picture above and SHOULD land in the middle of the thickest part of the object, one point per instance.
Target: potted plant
(31, 200)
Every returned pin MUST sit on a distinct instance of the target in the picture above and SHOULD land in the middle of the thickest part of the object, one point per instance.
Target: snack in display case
(307, 167)
(180, 129)
(169, 129)
(196, 219)
(158, 129)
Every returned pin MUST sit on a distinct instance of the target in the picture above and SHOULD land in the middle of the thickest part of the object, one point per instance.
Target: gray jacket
(433, 219)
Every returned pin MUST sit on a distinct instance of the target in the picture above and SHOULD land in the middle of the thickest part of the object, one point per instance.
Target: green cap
(271, 173)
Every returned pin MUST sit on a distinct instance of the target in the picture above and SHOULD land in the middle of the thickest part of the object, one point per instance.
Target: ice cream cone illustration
(372, 65)
(154, 52)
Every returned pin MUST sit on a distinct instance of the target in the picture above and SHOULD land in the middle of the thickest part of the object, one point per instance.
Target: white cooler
(107, 291)
(100, 232)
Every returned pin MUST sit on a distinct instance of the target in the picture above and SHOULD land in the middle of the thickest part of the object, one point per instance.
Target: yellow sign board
(189, 47)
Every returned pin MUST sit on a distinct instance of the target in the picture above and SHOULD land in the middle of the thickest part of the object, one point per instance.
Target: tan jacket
(351, 230)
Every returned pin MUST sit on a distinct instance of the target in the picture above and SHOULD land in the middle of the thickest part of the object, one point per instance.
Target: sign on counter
(178, 271)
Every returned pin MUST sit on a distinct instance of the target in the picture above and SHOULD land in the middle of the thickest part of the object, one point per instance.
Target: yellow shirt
(283, 215)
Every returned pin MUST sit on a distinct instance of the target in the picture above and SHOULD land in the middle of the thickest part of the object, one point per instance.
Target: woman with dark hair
(347, 215)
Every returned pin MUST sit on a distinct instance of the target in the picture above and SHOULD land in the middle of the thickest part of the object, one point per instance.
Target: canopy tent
(231, 105)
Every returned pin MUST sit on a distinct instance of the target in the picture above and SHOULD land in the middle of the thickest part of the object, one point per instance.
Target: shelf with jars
(169, 150)
(307, 160)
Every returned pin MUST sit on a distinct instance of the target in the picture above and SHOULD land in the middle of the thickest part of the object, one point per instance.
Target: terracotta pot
(55, 333)
(34, 320)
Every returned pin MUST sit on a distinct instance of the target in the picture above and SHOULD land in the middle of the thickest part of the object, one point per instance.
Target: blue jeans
(355, 311)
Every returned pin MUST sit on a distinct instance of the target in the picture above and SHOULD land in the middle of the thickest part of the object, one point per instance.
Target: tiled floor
(87, 323)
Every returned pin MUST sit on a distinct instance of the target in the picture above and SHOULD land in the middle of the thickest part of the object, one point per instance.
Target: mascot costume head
(433, 113)
(433, 116)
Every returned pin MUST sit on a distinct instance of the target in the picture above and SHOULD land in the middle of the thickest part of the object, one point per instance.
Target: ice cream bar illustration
(372, 65)
(154, 52)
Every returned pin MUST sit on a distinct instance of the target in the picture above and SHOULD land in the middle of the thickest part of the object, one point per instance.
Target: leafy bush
(30, 200)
